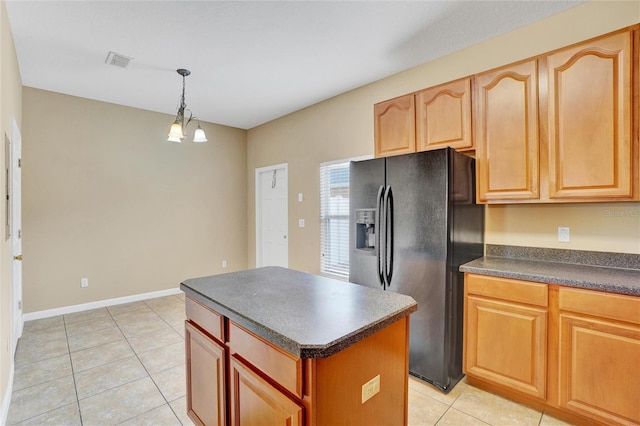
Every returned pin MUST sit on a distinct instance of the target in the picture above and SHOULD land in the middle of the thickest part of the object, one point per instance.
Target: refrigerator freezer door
(366, 178)
(421, 241)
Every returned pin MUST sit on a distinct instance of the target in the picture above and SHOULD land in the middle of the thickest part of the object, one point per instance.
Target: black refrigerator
(413, 222)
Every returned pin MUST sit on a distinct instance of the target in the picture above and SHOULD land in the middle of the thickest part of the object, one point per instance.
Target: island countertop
(307, 315)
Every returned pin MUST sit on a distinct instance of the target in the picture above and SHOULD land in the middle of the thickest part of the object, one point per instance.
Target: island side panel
(338, 381)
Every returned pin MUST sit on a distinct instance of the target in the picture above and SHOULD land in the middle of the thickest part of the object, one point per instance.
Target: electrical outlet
(370, 388)
(224, 263)
(564, 235)
(84, 282)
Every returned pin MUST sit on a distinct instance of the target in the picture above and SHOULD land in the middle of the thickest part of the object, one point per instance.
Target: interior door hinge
(20, 162)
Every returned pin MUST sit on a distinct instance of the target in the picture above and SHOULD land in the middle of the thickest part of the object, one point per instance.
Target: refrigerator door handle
(388, 236)
(379, 231)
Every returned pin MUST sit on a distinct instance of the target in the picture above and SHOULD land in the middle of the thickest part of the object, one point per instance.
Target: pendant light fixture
(178, 129)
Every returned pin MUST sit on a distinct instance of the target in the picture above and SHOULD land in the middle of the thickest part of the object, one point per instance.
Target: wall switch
(300, 197)
(84, 282)
(563, 234)
(300, 223)
(224, 263)
(370, 388)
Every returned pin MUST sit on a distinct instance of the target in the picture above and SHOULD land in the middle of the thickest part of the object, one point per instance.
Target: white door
(15, 224)
(272, 219)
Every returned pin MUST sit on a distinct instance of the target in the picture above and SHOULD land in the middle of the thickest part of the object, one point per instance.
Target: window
(334, 219)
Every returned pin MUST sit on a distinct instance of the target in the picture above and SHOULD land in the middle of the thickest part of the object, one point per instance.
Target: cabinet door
(589, 119)
(255, 402)
(599, 363)
(506, 133)
(206, 395)
(395, 126)
(443, 116)
(506, 343)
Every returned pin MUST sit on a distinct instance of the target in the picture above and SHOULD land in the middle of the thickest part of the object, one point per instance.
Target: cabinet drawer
(281, 366)
(613, 306)
(507, 289)
(207, 319)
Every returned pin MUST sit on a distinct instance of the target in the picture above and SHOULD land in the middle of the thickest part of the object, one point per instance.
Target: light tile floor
(124, 364)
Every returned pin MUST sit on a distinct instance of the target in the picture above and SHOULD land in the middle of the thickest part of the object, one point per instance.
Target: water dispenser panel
(366, 229)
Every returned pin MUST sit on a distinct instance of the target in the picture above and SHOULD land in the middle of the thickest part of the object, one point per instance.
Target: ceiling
(251, 61)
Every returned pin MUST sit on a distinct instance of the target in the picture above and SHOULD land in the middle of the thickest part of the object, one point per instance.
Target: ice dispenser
(366, 229)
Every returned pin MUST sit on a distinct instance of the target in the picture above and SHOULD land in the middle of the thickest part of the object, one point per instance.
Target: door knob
(18, 257)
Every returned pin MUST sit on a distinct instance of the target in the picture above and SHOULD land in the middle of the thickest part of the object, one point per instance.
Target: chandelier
(179, 127)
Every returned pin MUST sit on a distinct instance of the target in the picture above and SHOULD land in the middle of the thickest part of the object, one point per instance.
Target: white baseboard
(6, 401)
(99, 304)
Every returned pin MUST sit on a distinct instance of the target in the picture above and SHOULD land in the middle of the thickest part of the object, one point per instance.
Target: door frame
(15, 224)
(258, 210)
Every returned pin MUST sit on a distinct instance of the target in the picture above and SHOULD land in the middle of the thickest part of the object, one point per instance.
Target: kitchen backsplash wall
(613, 227)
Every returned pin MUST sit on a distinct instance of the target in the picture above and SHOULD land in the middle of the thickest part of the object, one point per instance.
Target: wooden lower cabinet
(254, 401)
(574, 353)
(206, 389)
(508, 344)
(248, 381)
(600, 357)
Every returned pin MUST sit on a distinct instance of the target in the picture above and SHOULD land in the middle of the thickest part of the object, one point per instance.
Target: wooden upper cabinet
(506, 133)
(443, 116)
(590, 120)
(395, 129)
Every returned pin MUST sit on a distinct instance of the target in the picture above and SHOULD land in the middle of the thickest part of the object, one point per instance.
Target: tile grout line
(141, 363)
(37, 384)
(73, 372)
(144, 367)
(168, 403)
(65, 324)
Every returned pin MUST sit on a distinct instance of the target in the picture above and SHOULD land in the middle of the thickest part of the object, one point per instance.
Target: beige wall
(10, 106)
(343, 126)
(107, 198)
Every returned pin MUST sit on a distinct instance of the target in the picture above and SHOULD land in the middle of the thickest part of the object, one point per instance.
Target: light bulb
(198, 135)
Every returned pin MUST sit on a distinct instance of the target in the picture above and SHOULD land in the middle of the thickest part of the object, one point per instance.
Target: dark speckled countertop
(306, 315)
(613, 272)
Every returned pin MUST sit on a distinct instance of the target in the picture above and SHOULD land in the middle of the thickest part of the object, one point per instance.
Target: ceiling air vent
(117, 60)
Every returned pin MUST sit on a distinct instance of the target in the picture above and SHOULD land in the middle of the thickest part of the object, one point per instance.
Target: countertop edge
(300, 350)
(614, 280)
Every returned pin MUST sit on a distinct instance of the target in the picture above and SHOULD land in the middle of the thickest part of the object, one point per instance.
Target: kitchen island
(277, 346)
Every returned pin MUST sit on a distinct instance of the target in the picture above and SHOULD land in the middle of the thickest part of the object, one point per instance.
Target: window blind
(334, 219)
